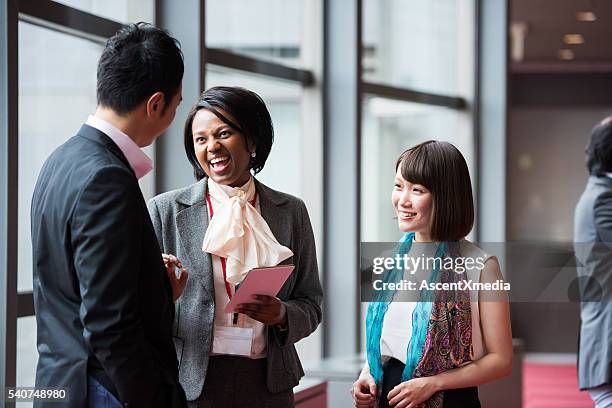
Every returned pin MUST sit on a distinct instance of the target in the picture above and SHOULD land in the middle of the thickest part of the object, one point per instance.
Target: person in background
(592, 240)
(434, 351)
(221, 227)
(103, 298)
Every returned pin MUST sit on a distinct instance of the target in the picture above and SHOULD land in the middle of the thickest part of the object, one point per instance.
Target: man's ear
(156, 104)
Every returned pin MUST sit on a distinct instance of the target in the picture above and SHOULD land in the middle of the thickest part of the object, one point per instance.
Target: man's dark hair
(138, 61)
(441, 168)
(599, 150)
(252, 121)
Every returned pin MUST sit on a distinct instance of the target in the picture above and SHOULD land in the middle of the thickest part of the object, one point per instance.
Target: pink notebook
(260, 281)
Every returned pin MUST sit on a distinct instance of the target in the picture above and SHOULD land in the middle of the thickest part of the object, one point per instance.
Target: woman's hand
(268, 310)
(364, 390)
(171, 262)
(411, 393)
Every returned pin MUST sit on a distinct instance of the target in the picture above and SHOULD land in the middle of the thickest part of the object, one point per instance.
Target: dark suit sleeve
(603, 216)
(106, 228)
(304, 306)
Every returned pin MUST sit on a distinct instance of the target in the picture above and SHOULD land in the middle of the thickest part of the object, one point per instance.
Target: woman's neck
(241, 181)
(422, 237)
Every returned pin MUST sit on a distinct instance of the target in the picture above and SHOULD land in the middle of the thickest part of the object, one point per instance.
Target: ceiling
(549, 20)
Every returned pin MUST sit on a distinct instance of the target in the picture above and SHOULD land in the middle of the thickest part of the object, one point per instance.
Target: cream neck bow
(239, 233)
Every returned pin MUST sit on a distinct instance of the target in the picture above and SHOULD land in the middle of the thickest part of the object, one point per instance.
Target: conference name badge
(233, 340)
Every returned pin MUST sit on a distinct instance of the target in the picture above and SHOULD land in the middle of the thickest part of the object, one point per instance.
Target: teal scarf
(420, 317)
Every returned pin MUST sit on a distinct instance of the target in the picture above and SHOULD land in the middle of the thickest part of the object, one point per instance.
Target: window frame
(318, 83)
(74, 22)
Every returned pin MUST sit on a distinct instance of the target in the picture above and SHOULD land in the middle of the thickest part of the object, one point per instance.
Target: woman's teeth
(218, 162)
(406, 215)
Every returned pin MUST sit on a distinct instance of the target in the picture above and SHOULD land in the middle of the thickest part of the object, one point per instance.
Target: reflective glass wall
(421, 54)
(418, 77)
(417, 84)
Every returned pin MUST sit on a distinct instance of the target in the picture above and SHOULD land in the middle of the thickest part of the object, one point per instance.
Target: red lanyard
(223, 260)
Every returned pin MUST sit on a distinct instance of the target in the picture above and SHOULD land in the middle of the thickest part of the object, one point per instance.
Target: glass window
(267, 29)
(419, 44)
(56, 94)
(117, 10)
(389, 128)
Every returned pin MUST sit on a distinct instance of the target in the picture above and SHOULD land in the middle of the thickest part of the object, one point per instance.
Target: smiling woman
(450, 343)
(221, 227)
(228, 132)
(220, 147)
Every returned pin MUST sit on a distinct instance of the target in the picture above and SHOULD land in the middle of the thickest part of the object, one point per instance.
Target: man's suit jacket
(180, 219)
(102, 297)
(593, 246)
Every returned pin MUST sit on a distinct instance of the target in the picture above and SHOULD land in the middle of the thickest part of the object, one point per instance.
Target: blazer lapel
(280, 221)
(272, 210)
(192, 223)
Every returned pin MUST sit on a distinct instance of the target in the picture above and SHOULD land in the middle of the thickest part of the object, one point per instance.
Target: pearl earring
(253, 154)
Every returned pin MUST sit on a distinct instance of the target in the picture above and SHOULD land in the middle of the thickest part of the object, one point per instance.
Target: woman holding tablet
(434, 350)
(224, 225)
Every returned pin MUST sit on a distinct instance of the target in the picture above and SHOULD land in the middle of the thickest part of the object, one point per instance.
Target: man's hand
(268, 310)
(171, 262)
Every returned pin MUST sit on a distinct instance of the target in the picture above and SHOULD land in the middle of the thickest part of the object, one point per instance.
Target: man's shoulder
(79, 151)
(88, 154)
(78, 164)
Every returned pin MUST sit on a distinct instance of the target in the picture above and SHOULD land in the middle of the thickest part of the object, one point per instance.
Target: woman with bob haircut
(435, 350)
(221, 227)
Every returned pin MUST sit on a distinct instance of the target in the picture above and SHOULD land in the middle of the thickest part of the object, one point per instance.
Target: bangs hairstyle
(252, 121)
(441, 168)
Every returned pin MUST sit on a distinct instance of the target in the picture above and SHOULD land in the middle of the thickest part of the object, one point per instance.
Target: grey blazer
(180, 219)
(593, 246)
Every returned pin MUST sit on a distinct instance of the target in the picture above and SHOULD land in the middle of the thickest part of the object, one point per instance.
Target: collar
(246, 191)
(194, 194)
(139, 162)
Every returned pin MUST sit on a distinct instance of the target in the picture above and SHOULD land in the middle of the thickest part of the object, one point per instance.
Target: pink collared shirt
(139, 162)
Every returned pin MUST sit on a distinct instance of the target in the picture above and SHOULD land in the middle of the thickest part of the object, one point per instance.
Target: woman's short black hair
(138, 61)
(441, 168)
(253, 121)
(599, 150)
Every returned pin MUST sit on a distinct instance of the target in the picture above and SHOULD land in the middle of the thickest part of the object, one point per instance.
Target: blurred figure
(103, 298)
(592, 240)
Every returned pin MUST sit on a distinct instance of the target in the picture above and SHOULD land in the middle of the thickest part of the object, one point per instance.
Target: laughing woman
(221, 227)
(452, 341)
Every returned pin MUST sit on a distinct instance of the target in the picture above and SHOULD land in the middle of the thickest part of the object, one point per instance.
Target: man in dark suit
(103, 298)
(593, 246)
